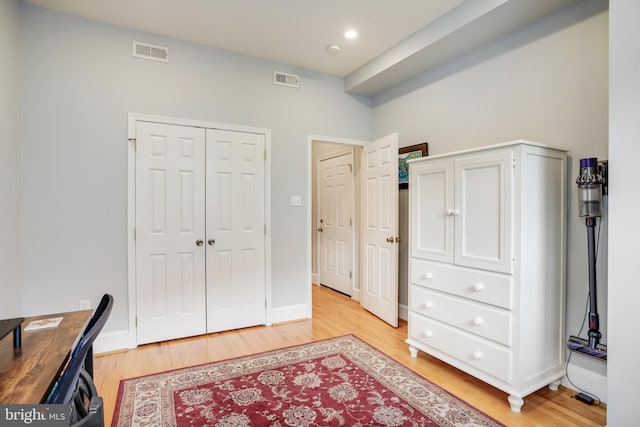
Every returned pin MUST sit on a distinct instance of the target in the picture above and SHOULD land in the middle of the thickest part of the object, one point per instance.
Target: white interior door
(380, 229)
(170, 254)
(235, 230)
(335, 222)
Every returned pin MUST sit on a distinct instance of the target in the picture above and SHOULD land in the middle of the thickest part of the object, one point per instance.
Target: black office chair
(75, 385)
(105, 304)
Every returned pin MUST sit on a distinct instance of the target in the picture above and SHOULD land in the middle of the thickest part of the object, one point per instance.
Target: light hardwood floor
(336, 315)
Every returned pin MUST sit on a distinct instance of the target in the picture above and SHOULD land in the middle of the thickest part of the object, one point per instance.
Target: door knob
(211, 242)
(199, 242)
(390, 239)
(320, 229)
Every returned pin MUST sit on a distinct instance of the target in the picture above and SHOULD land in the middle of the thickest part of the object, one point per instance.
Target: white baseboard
(403, 311)
(114, 341)
(290, 313)
(589, 381)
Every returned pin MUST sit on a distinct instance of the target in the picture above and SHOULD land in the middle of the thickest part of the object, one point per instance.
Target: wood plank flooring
(336, 315)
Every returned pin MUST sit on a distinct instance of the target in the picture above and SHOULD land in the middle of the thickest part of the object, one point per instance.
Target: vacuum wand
(594, 319)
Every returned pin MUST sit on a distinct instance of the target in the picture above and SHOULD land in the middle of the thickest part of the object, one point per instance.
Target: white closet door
(170, 255)
(380, 233)
(235, 224)
(335, 222)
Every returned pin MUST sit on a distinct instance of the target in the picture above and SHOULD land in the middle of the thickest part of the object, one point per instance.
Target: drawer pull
(478, 321)
(428, 334)
(428, 305)
(477, 355)
(428, 276)
(478, 287)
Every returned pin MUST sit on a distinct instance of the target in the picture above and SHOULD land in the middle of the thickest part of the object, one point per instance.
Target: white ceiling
(295, 32)
(398, 39)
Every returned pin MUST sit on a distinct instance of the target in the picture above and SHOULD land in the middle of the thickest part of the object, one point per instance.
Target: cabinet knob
(478, 321)
(477, 355)
(428, 276)
(428, 305)
(428, 334)
(478, 287)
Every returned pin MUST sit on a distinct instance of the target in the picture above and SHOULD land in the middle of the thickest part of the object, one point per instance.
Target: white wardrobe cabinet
(486, 273)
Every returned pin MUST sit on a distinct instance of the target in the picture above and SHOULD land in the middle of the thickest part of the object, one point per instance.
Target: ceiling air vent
(285, 79)
(149, 51)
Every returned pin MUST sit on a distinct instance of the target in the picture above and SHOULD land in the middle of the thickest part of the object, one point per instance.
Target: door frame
(131, 199)
(311, 138)
(355, 222)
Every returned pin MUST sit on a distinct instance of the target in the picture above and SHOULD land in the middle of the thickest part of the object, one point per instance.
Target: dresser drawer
(482, 320)
(469, 349)
(486, 287)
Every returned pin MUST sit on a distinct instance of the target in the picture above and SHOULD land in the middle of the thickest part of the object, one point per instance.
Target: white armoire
(487, 263)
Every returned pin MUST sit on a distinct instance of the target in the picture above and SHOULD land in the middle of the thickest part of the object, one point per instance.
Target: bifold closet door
(170, 221)
(235, 224)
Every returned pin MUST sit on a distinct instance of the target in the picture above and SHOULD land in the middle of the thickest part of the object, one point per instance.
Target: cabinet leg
(554, 385)
(515, 402)
(413, 351)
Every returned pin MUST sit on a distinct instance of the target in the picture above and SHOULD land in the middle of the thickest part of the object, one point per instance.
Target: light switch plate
(296, 200)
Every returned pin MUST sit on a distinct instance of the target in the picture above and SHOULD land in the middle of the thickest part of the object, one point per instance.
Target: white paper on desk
(52, 322)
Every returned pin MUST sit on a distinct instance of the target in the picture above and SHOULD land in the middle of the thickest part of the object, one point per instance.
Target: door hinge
(135, 233)
(265, 155)
(514, 162)
(265, 229)
(135, 143)
(136, 321)
(350, 275)
(350, 221)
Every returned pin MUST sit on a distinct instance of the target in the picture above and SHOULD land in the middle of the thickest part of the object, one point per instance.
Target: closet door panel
(235, 230)
(170, 220)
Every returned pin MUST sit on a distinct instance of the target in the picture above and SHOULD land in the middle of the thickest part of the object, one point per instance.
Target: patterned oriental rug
(336, 382)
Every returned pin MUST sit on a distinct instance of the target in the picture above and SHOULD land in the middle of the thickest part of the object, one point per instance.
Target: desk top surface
(28, 373)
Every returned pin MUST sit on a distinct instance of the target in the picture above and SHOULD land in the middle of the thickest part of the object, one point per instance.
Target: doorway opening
(335, 210)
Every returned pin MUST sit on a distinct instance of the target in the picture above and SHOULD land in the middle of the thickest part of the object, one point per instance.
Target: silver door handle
(199, 242)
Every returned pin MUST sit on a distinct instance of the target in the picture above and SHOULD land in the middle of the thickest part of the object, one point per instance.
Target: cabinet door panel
(483, 212)
(431, 204)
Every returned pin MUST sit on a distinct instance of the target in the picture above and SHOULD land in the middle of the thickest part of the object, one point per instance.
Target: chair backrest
(105, 304)
(65, 387)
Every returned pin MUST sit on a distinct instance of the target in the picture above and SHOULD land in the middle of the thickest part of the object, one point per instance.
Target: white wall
(624, 232)
(547, 83)
(79, 81)
(10, 302)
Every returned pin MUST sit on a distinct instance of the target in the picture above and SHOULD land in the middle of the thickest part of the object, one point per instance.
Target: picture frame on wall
(405, 154)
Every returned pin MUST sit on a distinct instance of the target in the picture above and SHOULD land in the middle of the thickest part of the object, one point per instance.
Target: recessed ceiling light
(351, 34)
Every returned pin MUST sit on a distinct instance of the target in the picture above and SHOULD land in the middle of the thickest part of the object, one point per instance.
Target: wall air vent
(285, 79)
(149, 51)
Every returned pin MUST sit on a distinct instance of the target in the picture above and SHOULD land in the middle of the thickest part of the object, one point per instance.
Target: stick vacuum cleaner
(591, 182)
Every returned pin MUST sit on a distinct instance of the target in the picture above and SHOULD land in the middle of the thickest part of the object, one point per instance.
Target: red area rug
(337, 382)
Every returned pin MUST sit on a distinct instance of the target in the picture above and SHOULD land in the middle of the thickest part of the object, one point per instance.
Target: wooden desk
(28, 373)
